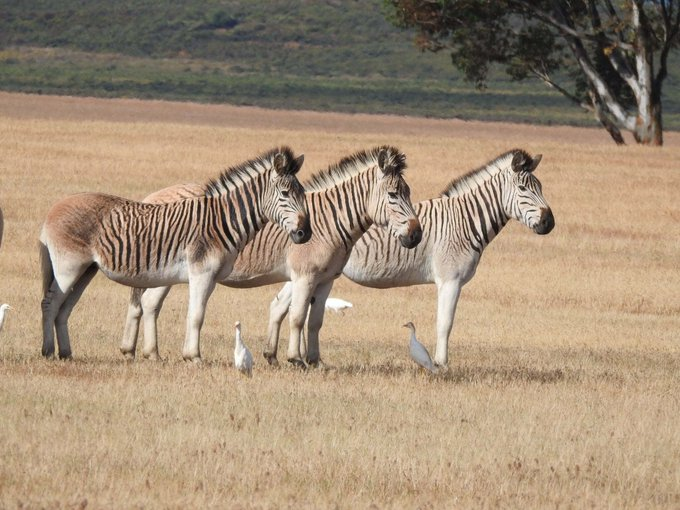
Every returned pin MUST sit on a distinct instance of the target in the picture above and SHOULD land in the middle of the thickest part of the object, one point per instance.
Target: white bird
(243, 359)
(337, 304)
(418, 351)
(4, 309)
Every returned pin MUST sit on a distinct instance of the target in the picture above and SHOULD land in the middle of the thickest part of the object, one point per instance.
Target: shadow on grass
(467, 374)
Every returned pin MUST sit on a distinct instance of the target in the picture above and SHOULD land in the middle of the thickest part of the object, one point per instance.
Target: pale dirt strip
(26, 106)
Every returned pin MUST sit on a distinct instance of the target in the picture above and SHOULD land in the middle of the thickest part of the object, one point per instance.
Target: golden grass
(565, 356)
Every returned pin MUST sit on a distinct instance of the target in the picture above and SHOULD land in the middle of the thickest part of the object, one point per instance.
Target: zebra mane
(234, 176)
(474, 178)
(352, 165)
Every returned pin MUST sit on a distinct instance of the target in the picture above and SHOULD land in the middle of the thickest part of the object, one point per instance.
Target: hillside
(337, 55)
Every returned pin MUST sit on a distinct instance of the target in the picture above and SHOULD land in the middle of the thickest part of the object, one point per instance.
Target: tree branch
(671, 28)
(613, 53)
(565, 29)
(545, 78)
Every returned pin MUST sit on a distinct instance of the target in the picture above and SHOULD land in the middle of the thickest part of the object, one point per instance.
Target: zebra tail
(46, 268)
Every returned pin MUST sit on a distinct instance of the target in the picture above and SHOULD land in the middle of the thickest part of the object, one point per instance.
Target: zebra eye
(521, 187)
(392, 194)
(285, 193)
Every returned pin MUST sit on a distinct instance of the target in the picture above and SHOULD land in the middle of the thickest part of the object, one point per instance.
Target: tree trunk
(604, 118)
(613, 131)
(648, 127)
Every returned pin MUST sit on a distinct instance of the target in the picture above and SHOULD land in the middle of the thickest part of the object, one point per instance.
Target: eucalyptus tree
(608, 57)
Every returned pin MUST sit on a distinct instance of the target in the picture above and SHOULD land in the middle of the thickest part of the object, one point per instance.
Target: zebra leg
(152, 302)
(277, 312)
(315, 321)
(51, 304)
(69, 272)
(128, 344)
(200, 288)
(302, 294)
(61, 321)
(448, 292)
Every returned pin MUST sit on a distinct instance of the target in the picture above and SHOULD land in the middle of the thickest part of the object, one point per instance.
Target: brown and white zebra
(191, 241)
(343, 202)
(457, 227)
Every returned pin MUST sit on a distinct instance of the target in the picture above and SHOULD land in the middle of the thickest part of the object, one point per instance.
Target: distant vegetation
(340, 55)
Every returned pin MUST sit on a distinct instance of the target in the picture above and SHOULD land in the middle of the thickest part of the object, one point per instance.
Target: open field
(564, 382)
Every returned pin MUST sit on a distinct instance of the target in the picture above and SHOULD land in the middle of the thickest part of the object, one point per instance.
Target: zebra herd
(256, 225)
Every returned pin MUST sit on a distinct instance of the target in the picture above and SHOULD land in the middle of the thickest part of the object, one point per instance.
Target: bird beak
(404, 325)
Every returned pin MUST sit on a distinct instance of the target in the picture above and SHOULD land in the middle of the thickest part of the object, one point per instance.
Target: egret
(418, 351)
(243, 359)
(3, 309)
(337, 304)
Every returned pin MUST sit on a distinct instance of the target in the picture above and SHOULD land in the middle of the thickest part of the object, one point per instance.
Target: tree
(609, 57)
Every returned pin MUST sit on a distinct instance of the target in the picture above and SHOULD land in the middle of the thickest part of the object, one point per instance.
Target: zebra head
(391, 199)
(524, 200)
(284, 201)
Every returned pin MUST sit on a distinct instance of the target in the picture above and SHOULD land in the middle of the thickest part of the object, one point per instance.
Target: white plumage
(418, 351)
(243, 359)
(3, 309)
(337, 304)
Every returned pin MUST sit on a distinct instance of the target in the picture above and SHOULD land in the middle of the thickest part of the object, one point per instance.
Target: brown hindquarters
(73, 224)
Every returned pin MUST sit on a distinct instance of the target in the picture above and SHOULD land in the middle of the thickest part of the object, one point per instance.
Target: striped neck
(240, 212)
(482, 208)
(342, 211)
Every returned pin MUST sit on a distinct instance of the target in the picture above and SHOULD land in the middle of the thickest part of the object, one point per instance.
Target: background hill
(339, 55)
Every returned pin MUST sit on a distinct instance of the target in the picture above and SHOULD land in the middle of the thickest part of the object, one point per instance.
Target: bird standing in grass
(243, 359)
(3, 310)
(337, 304)
(418, 351)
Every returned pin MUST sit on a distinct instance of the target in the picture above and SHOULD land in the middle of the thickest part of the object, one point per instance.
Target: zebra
(457, 227)
(343, 201)
(145, 245)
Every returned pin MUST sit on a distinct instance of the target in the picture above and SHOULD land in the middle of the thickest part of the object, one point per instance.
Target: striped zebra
(343, 202)
(146, 245)
(457, 227)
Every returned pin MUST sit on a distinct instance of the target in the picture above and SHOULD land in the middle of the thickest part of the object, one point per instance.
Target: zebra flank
(192, 240)
(457, 227)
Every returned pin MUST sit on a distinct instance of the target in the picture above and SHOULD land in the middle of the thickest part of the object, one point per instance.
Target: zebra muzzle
(414, 235)
(546, 223)
(303, 233)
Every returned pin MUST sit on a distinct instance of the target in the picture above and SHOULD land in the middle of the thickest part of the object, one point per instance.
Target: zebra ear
(280, 163)
(518, 161)
(295, 165)
(383, 160)
(522, 162)
(535, 162)
(390, 161)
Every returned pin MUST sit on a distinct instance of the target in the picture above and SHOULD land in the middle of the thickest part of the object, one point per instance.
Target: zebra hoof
(153, 356)
(129, 356)
(314, 363)
(442, 368)
(297, 363)
(271, 359)
(67, 356)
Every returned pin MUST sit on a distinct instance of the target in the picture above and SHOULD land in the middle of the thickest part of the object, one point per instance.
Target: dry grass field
(564, 384)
